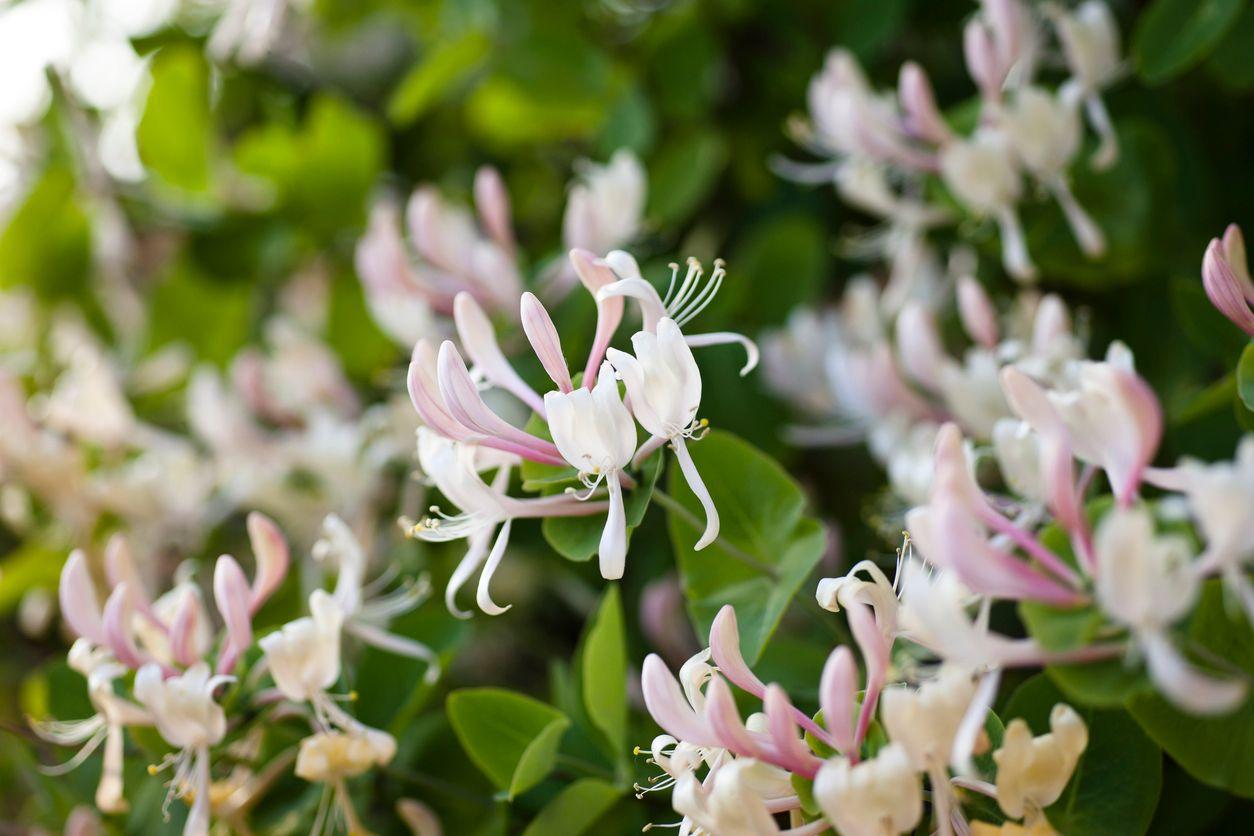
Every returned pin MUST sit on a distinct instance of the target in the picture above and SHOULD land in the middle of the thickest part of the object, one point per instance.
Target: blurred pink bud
(837, 687)
(918, 102)
(976, 310)
(120, 568)
(1051, 323)
(542, 334)
(492, 203)
(982, 60)
(118, 628)
(1227, 284)
(272, 556)
(183, 627)
(77, 595)
(919, 345)
(231, 594)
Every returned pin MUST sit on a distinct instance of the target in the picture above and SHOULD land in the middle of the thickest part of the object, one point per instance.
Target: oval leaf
(511, 737)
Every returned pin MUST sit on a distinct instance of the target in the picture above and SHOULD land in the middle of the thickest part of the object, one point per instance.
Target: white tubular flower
(1033, 771)
(924, 720)
(664, 385)
(981, 172)
(880, 796)
(329, 757)
(185, 714)
(1090, 40)
(304, 655)
(1045, 132)
(732, 804)
(596, 434)
(1146, 583)
(605, 208)
(112, 714)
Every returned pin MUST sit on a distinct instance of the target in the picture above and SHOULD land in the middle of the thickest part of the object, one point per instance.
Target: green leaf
(604, 671)
(46, 244)
(1115, 787)
(765, 548)
(1174, 35)
(1217, 750)
(444, 67)
(511, 737)
(175, 130)
(578, 538)
(683, 174)
(30, 566)
(211, 316)
(1230, 63)
(1107, 683)
(575, 809)
(503, 112)
(1245, 376)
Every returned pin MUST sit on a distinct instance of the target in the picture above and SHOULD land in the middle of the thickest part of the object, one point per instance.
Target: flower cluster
(887, 377)
(884, 147)
(591, 433)
(163, 662)
(734, 775)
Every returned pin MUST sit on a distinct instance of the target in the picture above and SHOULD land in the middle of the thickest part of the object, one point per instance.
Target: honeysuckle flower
(1146, 582)
(303, 656)
(366, 618)
(183, 710)
(605, 207)
(1090, 42)
(595, 434)
(982, 174)
(1044, 130)
(882, 795)
(454, 467)
(1033, 771)
(113, 714)
(1226, 278)
(402, 306)
(1219, 496)
(734, 802)
(332, 757)
(1112, 417)
(664, 386)
(924, 720)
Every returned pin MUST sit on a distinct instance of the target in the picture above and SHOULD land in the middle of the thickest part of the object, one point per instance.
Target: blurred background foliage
(258, 174)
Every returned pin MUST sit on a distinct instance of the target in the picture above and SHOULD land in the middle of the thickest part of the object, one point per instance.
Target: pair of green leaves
(514, 739)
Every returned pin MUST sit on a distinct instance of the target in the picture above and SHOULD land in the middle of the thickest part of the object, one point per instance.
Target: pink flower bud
(976, 310)
(272, 556)
(542, 334)
(923, 118)
(492, 202)
(1224, 286)
(78, 599)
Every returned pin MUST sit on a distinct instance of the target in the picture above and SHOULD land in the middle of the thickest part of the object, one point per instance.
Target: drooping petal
(693, 477)
(752, 355)
(1185, 685)
(612, 552)
(668, 707)
(596, 274)
(483, 596)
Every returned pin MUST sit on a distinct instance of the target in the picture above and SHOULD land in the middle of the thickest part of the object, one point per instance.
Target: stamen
(671, 288)
(704, 298)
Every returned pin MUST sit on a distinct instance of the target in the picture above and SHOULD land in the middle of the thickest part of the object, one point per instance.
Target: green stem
(674, 506)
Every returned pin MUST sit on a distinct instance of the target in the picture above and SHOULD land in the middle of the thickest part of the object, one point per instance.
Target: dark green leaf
(1217, 750)
(682, 175)
(1174, 35)
(1245, 376)
(578, 538)
(765, 549)
(444, 67)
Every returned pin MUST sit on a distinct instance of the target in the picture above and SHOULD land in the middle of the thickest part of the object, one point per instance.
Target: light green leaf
(1245, 376)
(765, 548)
(175, 130)
(444, 67)
(511, 737)
(604, 671)
(1174, 35)
(29, 566)
(46, 244)
(1217, 750)
(1115, 787)
(575, 809)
